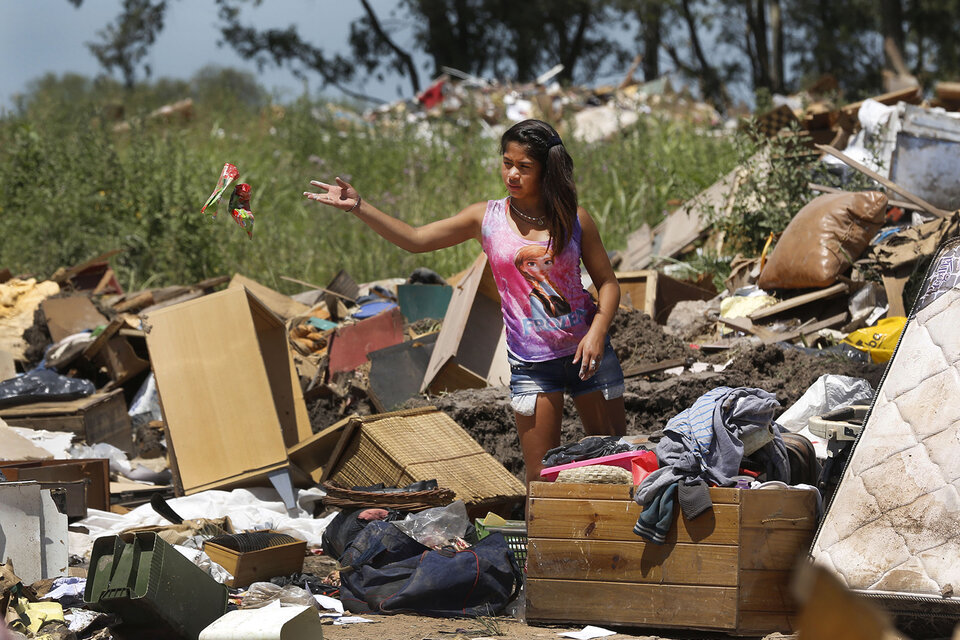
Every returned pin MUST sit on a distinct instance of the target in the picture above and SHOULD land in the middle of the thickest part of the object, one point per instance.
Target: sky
(40, 36)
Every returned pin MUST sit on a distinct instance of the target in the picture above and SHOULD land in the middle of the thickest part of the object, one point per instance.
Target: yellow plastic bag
(879, 340)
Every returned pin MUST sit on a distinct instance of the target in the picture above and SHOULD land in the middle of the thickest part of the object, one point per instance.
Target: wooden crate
(248, 567)
(727, 570)
(656, 294)
(101, 417)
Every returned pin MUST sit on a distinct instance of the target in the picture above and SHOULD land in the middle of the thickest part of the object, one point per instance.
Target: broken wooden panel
(101, 417)
(472, 345)
(230, 396)
(70, 315)
(656, 294)
(419, 301)
(396, 372)
(279, 303)
(680, 228)
(349, 345)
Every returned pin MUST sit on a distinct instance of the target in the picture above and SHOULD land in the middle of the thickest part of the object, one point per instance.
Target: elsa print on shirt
(534, 262)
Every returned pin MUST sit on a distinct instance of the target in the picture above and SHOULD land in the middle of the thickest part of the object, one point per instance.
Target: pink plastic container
(639, 463)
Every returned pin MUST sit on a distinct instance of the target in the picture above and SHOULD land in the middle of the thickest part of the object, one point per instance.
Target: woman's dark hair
(542, 143)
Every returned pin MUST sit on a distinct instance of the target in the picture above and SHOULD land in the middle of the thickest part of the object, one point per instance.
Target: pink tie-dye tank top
(545, 308)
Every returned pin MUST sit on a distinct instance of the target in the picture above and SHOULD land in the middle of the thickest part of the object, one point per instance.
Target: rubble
(246, 406)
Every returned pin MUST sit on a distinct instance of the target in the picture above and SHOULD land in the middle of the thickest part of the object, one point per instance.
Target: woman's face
(539, 267)
(520, 173)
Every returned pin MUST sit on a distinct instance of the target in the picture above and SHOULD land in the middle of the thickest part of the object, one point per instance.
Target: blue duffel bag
(386, 571)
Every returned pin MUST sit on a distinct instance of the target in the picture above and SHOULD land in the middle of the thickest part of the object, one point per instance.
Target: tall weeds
(71, 187)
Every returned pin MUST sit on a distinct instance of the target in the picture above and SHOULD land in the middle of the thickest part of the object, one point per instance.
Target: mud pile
(650, 400)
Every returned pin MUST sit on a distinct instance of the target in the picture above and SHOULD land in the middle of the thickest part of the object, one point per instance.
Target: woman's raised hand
(340, 195)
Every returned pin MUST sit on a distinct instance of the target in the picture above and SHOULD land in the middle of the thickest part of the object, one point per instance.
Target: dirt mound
(638, 341)
(650, 400)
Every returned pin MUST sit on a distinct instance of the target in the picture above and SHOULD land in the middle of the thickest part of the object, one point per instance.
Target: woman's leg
(540, 432)
(601, 417)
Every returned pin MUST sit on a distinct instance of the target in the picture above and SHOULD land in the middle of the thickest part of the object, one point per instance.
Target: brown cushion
(822, 240)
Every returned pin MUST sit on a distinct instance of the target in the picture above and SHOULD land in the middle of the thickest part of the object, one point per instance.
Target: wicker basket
(342, 497)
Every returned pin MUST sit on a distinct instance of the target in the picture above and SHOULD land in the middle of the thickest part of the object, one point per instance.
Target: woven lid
(596, 474)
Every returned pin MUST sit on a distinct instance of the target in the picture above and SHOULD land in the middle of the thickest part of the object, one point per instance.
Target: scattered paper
(331, 604)
(350, 620)
(587, 633)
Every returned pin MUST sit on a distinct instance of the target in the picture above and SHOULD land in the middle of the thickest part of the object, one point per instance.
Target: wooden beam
(656, 366)
(746, 325)
(317, 287)
(822, 188)
(798, 301)
(809, 329)
(913, 95)
(870, 173)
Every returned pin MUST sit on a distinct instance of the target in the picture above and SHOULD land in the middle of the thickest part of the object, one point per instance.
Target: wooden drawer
(727, 570)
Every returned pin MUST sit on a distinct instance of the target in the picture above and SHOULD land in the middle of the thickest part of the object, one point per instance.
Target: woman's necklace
(537, 220)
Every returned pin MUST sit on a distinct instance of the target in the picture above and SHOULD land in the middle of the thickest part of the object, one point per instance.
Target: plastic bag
(437, 527)
(43, 385)
(260, 594)
(146, 403)
(829, 392)
(879, 340)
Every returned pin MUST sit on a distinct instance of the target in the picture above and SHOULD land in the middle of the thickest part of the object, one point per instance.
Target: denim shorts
(527, 379)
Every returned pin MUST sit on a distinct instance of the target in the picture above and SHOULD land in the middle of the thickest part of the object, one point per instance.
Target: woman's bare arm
(434, 235)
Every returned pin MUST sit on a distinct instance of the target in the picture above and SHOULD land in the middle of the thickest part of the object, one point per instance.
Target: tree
(124, 43)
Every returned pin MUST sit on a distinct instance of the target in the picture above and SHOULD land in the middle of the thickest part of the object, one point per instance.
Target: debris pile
(218, 435)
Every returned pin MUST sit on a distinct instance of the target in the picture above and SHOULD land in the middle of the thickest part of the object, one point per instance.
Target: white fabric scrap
(71, 586)
(587, 633)
(56, 442)
(254, 508)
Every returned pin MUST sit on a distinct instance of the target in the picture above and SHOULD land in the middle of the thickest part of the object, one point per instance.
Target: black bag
(386, 571)
(346, 526)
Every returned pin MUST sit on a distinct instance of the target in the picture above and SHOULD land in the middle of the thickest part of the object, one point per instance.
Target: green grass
(71, 187)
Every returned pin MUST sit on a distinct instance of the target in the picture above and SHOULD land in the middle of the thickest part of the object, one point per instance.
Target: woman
(556, 335)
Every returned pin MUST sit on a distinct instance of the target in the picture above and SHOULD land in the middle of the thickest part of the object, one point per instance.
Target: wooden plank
(773, 549)
(798, 301)
(779, 509)
(808, 329)
(696, 564)
(889, 184)
(69, 315)
(8, 368)
(614, 520)
(279, 303)
(766, 591)
(760, 623)
(452, 377)
(101, 340)
(579, 491)
(218, 398)
(101, 417)
(893, 286)
(608, 603)
(893, 203)
(947, 90)
(313, 454)
(746, 325)
(652, 368)
(913, 95)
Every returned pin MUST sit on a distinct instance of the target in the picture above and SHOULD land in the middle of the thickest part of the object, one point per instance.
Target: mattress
(892, 530)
